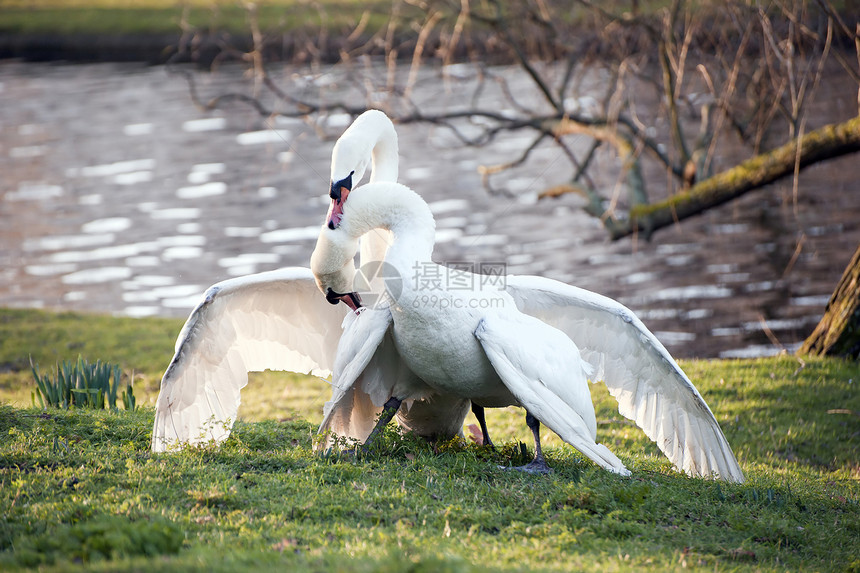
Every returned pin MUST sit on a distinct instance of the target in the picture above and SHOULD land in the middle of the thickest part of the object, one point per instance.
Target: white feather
(543, 369)
(650, 387)
(276, 320)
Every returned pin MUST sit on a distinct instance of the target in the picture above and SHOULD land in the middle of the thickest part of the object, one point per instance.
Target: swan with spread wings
(530, 343)
(536, 350)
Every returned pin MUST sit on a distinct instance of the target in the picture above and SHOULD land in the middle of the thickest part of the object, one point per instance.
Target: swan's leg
(479, 414)
(537, 465)
(388, 411)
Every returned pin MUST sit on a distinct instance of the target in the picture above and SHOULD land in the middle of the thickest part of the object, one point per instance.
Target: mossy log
(826, 143)
(838, 333)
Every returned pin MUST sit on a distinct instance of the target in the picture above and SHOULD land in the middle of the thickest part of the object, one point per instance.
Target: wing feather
(276, 320)
(352, 410)
(369, 370)
(651, 389)
(534, 369)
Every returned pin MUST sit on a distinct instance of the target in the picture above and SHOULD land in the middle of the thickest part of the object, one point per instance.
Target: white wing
(276, 320)
(544, 371)
(354, 407)
(650, 387)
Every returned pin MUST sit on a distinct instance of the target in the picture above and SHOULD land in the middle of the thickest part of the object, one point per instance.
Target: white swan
(372, 138)
(278, 321)
(498, 347)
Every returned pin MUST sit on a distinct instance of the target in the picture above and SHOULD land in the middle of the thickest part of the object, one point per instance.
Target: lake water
(119, 196)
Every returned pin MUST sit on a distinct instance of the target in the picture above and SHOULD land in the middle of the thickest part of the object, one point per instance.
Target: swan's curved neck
(397, 208)
(384, 156)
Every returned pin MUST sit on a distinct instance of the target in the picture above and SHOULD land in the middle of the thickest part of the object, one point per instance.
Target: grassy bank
(121, 17)
(81, 489)
(150, 30)
(153, 30)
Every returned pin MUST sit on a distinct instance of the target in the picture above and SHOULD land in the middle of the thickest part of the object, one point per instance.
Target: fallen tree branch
(826, 143)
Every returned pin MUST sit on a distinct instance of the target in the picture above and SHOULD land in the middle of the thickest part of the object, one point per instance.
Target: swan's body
(499, 347)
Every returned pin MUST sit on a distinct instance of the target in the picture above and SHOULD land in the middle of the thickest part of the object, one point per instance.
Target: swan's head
(333, 266)
(354, 213)
(370, 139)
(349, 161)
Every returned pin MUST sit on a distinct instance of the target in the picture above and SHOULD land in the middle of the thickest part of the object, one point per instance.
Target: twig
(843, 411)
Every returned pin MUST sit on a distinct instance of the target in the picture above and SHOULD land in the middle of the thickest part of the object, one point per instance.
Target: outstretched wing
(275, 320)
(543, 370)
(650, 387)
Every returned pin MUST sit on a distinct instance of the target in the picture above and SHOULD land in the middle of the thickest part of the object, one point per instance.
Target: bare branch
(825, 143)
(418, 52)
(487, 170)
(522, 58)
(757, 74)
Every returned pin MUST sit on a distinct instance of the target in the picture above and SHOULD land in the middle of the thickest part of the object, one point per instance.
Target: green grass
(125, 17)
(50, 338)
(121, 17)
(81, 489)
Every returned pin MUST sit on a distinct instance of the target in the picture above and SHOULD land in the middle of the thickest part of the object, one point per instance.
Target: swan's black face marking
(338, 192)
(350, 299)
(345, 183)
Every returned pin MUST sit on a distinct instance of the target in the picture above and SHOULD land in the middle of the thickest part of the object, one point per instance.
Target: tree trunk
(825, 143)
(838, 333)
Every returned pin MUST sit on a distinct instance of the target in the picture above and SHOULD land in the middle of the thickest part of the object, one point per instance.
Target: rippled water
(119, 196)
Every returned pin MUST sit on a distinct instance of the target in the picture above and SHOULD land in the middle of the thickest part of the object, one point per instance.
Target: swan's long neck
(385, 160)
(398, 209)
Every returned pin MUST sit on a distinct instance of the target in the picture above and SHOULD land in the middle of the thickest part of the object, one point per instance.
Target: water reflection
(265, 136)
(203, 172)
(55, 243)
(171, 212)
(285, 235)
(243, 231)
(204, 124)
(29, 191)
(107, 226)
(112, 169)
(448, 205)
(248, 263)
(96, 276)
(135, 129)
(50, 269)
(102, 253)
(137, 207)
(201, 191)
(28, 151)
